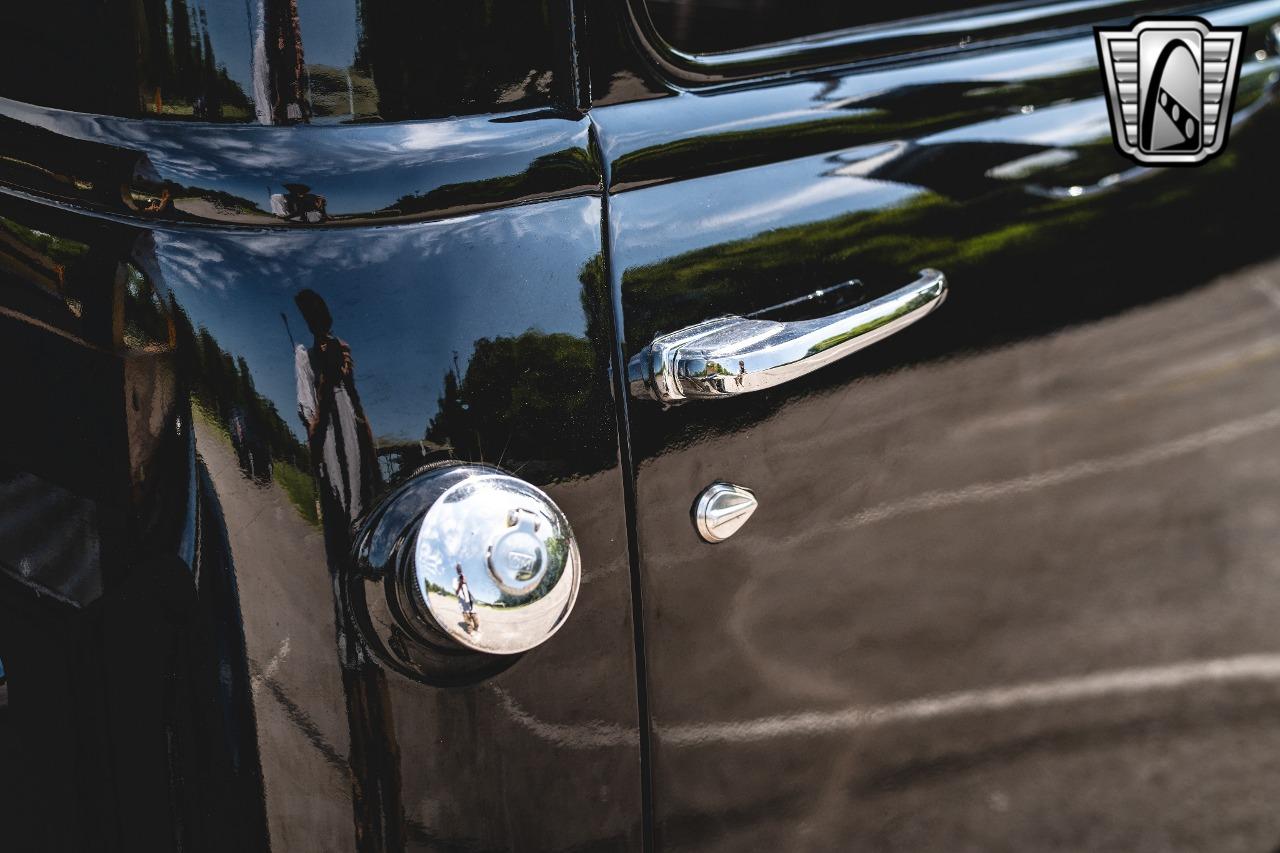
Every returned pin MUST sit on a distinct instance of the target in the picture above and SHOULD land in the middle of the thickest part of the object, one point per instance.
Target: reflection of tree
(522, 398)
(222, 388)
(564, 171)
(285, 71)
(181, 74)
(537, 403)
(44, 274)
(1057, 261)
(421, 67)
(907, 112)
(135, 58)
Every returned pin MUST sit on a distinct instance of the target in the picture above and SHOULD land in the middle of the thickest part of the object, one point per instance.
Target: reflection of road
(289, 630)
(1039, 613)
(454, 742)
(503, 627)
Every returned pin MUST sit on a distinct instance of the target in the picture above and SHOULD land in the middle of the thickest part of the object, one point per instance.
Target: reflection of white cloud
(246, 160)
(779, 208)
(194, 263)
(1024, 167)
(1074, 123)
(861, 162)
(431, 135)
(745, 203)
(289, 258)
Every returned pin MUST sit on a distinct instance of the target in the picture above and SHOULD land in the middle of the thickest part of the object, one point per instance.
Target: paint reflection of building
(279, 69)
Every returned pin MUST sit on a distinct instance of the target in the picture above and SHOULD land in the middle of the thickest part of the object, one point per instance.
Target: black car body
(1010, 584)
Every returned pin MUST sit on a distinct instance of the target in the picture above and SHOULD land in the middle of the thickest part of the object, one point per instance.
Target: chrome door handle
(735, 355)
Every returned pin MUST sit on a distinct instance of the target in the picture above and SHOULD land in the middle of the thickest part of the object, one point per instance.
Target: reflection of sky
(328, 34)
(229, 35)
(740, 205)
(358, 169)
(1074, 123)
(405, 298)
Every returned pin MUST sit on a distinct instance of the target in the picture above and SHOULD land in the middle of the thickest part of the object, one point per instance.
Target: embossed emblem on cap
(517, 557)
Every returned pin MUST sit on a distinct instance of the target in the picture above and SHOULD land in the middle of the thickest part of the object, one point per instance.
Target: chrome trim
(495, 565)
(722, 509)
(999, 24)
(735, 355)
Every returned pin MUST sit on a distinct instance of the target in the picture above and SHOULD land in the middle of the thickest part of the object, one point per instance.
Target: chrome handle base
(735, 355)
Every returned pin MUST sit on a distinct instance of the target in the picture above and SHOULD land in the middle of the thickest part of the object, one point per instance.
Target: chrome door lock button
(722, 509)
(517, 558)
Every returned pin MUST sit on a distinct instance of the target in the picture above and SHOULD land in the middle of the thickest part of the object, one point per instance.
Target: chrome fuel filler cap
(495, 565)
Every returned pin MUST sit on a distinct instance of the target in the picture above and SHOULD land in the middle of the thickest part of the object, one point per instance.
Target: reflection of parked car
(581, 501)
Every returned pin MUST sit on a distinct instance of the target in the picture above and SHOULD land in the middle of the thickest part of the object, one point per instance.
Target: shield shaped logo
(1171, 84)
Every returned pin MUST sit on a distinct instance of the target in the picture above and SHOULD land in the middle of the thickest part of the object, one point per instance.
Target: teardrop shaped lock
(722, 509)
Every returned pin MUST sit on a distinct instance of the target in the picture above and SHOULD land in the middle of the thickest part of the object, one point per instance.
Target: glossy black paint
(289, 62)
(228, 175)
(1061, 474)
(778, 40)
(967, 528)
(725, 25)
(482, 337)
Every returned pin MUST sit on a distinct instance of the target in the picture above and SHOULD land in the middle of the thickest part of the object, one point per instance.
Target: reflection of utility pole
(292, 344)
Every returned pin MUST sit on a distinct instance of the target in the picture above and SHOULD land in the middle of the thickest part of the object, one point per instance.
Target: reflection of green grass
(57, 248)
(904, 113)
(299, 487)
(562, 171)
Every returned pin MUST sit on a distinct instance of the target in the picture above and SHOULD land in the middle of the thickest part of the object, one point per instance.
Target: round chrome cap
(496, 565)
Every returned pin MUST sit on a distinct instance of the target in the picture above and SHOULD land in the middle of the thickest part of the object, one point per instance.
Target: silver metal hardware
(517, 558)
(722, 509)
(495, 565)
(736, 355)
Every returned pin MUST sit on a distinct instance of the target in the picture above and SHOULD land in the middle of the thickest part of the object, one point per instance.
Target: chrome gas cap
(495, 564)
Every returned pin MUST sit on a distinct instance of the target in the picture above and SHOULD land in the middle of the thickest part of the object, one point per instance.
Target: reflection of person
(163, 203)
(342, 455)
(299, 204)
(338, 432)
(251, 452)
(470, 621)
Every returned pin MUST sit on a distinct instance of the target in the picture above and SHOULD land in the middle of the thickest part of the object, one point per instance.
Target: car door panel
(1008, 586)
